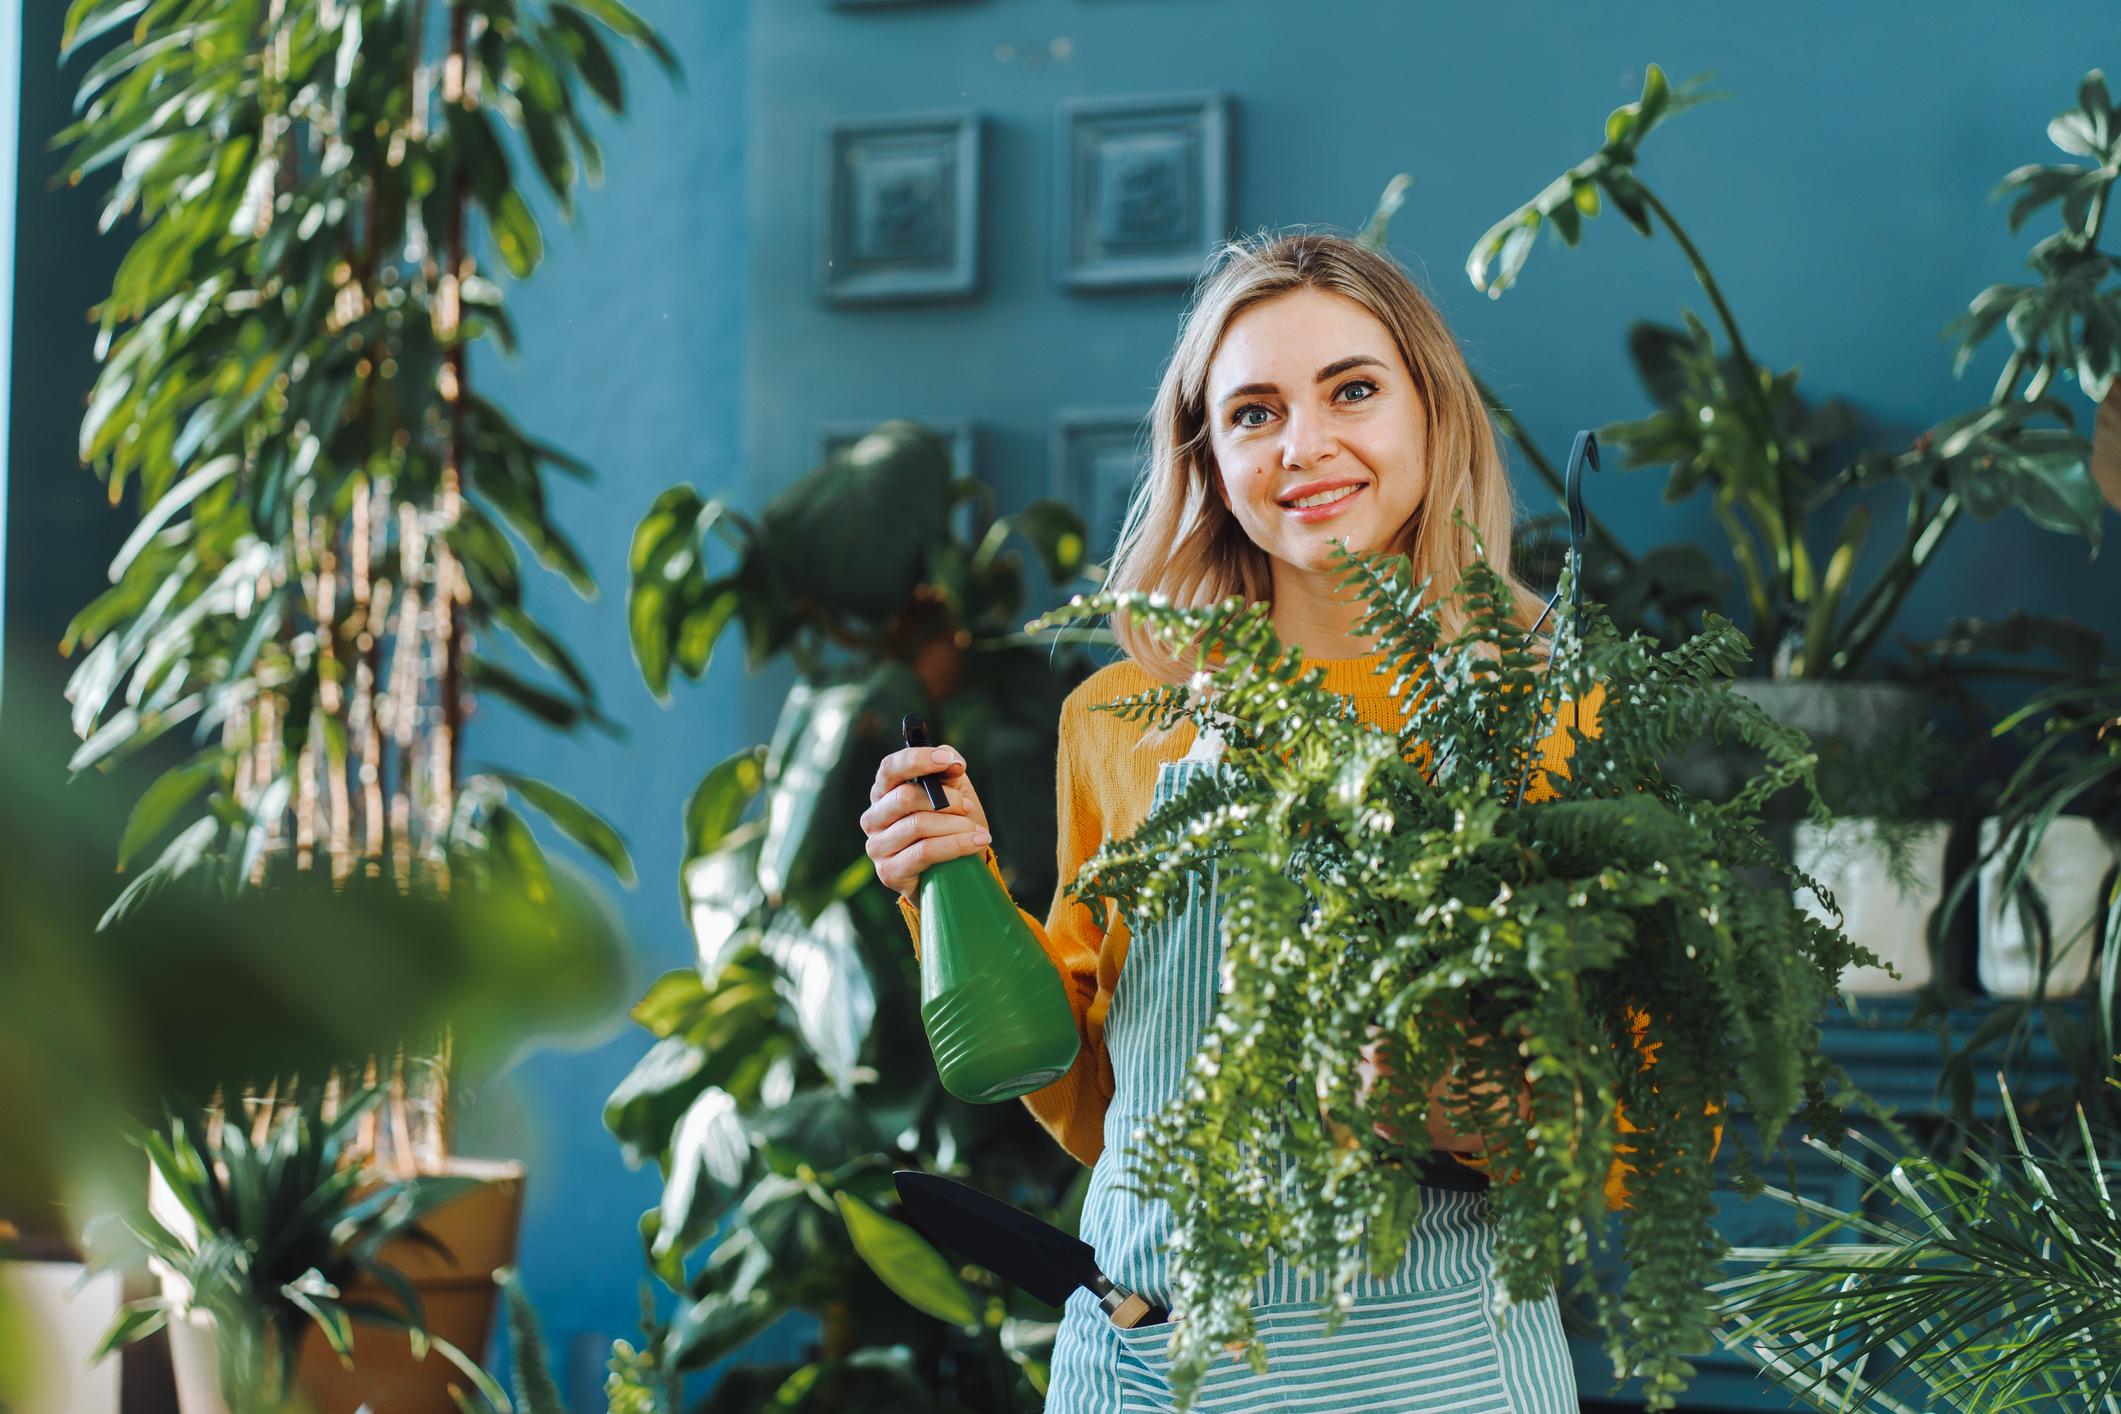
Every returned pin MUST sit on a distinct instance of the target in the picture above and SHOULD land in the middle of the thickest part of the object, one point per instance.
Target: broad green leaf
(709, 1157)
(1056, 532)
(855, 532)
(905, 1262)
(647, 1104)
(818, 772)
(673, 1003)
(826, 985)
(722, 894)
(721, 798)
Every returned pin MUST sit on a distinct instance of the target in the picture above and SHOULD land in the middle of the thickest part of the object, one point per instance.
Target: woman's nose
(1305, 441)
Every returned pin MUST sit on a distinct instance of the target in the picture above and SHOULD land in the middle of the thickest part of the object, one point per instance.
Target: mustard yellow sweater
(1104, 785)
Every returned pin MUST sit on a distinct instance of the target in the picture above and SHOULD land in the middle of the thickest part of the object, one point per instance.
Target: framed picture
(1143, 188)
(1098, 456)
(899, 207)
(967, 519)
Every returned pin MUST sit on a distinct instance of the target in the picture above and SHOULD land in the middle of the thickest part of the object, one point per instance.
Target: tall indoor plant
(789, 1073)
(2065, 787)
(324, 566)
(1726, 424)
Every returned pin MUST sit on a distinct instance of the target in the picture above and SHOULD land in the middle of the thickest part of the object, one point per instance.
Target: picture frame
(898, 207)
(1141, 188)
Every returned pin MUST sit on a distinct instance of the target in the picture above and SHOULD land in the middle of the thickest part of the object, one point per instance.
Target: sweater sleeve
(1072, 1108)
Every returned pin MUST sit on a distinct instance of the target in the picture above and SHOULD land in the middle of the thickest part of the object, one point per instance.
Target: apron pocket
(1424, 1350)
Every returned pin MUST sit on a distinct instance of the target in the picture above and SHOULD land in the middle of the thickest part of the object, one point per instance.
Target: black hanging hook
(1584, 450)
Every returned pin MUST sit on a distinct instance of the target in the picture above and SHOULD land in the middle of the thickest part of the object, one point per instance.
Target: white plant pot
(60, 1328)
(2065, 869)
(1848, 858)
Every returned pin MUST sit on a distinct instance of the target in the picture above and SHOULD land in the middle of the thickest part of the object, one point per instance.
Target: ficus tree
(326, 570)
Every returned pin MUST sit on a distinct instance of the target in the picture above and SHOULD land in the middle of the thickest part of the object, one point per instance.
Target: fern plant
(1477, 908)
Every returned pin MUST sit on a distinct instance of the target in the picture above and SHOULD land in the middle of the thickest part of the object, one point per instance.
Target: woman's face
(1307, 391)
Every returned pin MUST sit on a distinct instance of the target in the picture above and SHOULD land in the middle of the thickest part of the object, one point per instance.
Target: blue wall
(632, 358)
(673, 334)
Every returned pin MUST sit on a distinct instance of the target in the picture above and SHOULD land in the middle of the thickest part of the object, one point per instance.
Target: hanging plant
(1493, 912)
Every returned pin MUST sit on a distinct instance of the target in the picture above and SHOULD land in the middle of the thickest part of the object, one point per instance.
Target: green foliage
(326, 558)
(2071, 765)
(1984, 1285)
(1728, 425)
(271, 1237)
(1492, 914)
(789, 1074)
(857, 554)
(325, 562)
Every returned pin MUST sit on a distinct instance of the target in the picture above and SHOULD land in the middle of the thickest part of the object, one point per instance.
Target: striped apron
(1431, 1336)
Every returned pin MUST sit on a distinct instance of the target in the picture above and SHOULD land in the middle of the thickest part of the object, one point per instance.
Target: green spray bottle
(992, 1002)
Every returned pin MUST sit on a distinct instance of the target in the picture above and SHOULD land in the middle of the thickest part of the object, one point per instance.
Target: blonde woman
(1314, 395)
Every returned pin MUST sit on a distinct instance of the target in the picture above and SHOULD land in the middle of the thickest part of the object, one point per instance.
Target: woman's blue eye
(1237, 417)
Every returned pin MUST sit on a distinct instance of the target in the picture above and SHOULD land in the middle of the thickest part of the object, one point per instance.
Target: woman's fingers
(897, 788)
(1373, 1066)
(904, 830)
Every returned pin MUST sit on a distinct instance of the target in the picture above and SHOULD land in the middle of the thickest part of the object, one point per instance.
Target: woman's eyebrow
(1337, 366)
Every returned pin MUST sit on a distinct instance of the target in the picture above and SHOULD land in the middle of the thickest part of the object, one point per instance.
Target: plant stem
(1789, 544)
(1891, 587)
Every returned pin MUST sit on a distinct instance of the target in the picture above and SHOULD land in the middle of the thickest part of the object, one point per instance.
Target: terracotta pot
(457, 1297)
(2106, 447)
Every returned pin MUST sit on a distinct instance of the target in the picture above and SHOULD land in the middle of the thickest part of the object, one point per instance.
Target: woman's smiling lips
(1329, 509)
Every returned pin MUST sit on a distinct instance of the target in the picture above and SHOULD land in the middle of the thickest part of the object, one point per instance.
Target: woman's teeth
(1323, 497)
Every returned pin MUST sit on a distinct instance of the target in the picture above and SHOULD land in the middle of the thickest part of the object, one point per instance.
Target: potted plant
(261, 1240)
(2043, 877)
(1406, 881)
(324, 570)
(788, 1074)
(1982, 1284)
(202, 989)
(1726, 424)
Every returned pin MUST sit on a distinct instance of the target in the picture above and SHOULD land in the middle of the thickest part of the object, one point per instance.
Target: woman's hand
(905, 833)
(1373, 1067)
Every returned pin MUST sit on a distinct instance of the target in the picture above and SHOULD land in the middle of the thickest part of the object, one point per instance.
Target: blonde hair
(1180, 540)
